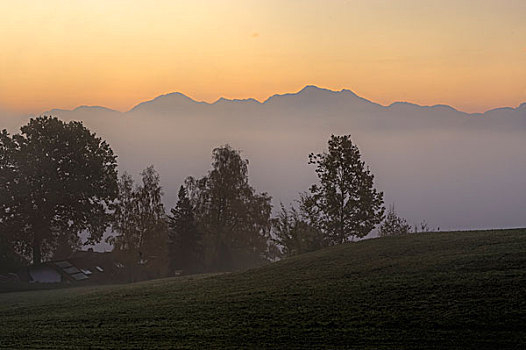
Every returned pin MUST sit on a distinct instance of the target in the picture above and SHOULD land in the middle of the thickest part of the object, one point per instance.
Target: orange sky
(61, 54)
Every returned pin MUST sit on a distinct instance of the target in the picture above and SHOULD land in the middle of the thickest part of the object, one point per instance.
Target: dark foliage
(293, 234)
(56, 180)
(9, 260)
(139, 221)
(393, 225)
(234, 219)
(185, 239)
(344, 204)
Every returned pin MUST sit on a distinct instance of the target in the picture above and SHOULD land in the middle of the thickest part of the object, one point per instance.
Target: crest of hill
(403, 292)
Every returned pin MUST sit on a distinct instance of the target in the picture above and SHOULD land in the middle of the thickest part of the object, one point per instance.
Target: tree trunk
(37, 253)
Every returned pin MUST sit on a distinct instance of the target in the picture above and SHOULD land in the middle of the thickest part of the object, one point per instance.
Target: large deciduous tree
(56, 180)
(233, 217)
(344, 204)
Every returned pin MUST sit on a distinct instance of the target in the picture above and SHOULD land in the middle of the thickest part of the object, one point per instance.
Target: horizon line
(252, 99)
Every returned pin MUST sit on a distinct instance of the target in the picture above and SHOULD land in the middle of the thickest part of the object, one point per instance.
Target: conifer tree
(345, 203)
(184, 236)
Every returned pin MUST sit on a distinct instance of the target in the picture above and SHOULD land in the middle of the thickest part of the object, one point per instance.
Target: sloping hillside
(436, 290)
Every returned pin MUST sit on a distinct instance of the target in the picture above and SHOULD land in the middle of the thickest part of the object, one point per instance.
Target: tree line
(58, 180)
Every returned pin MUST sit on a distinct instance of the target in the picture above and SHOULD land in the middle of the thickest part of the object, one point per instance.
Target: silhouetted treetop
(57, 180)
(344, 204)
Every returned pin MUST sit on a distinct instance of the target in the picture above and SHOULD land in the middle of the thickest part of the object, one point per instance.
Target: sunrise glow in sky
(61, 54)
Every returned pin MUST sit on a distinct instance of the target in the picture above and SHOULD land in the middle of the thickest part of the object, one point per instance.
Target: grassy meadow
(464, 290)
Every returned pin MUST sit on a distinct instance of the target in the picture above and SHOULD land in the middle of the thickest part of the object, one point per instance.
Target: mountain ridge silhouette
(454, 169)
(177, 100)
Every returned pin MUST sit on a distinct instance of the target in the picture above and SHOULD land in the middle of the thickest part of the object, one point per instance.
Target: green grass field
(438, 290)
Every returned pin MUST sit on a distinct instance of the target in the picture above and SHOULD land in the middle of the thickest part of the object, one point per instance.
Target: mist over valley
(454, 170)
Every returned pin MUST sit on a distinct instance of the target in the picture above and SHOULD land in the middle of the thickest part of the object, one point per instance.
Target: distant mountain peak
(312, 88)
(347, 91)
(100, 108)
(309, 95)
(317, 89)
(174, 96)
(60, 111)
(310, 91)
(166, 102)
(401, 104)
(235, 100)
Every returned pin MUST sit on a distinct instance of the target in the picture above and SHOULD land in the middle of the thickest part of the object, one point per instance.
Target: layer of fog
(453, 170)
